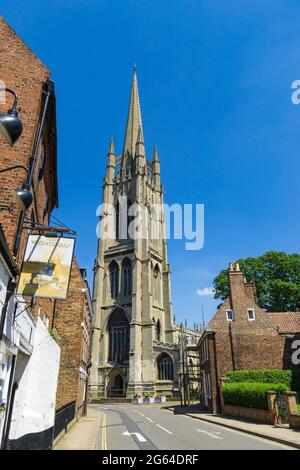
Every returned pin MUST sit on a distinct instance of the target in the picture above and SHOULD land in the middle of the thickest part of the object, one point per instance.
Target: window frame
(114, 279)
(227, 316)
(165, 368)
(204, 351)
(253, 311)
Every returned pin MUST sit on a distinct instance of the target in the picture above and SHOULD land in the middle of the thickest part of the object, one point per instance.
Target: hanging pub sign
(46, 267)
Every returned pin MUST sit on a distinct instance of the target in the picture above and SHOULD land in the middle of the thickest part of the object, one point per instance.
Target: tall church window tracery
(127, 277)
(156, 284)
(158, 331)
(119, 337)
(117, 221)
(165, 367)
(121, 218)
(114, 279)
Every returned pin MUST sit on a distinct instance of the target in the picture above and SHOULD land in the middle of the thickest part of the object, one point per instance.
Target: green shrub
(288, 377)
(250, 394)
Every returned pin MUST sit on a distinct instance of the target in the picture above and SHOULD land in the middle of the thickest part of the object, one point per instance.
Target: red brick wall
(244, 344)
(23, 72)
(69, 315)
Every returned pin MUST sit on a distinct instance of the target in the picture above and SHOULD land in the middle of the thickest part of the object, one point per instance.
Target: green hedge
(288, 377)
(250, 394)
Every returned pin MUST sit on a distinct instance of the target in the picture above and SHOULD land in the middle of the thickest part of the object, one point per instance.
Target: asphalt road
(130, 427)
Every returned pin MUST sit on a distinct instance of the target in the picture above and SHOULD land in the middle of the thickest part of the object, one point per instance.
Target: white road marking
(141, 414)
(149, 419)
(211, 434)
(137, 434)
(164, 429)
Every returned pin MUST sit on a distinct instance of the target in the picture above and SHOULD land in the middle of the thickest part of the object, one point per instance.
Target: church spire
(134, 119)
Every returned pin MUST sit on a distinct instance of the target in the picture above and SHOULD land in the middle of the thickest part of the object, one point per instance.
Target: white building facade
(29, 366)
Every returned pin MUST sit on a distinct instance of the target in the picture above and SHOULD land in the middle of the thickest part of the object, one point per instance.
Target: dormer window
(251, 314)
(229, 315)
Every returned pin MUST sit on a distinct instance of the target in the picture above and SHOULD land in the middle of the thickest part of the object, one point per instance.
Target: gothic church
(135, 348)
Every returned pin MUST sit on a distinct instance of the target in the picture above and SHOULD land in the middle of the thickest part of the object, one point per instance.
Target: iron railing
(63, 417)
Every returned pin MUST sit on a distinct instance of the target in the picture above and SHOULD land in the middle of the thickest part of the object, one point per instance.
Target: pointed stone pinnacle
(155, 154)
(140, 138)
(111, 149)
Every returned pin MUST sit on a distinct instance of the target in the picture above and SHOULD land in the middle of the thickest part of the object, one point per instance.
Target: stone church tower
(134, 350)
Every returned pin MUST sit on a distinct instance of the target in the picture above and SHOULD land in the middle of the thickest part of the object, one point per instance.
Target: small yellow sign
(46, 267)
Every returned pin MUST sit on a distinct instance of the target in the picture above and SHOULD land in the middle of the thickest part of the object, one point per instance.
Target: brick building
(29, 356)
(45, 344)
(242, 336)
(73, 326)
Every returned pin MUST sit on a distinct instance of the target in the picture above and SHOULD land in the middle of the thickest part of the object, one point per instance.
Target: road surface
(133, 427)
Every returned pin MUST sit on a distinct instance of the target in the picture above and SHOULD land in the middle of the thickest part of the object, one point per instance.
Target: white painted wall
(5, 371)
(37, 375)
(19, 324)
(5, 353)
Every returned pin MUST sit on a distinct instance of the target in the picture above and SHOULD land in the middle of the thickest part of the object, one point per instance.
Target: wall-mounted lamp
(11, 126)
(23, 197)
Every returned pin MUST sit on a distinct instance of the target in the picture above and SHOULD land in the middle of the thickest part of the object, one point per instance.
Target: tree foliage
(277, 279)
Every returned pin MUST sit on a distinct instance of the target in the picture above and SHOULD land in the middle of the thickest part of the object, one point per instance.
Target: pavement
(86, 434)
(151, 427)
(277, 433)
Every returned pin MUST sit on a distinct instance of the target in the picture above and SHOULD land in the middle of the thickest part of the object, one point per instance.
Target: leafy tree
(277, 279)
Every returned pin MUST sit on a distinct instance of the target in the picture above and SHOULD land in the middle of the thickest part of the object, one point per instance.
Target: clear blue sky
(215, 84)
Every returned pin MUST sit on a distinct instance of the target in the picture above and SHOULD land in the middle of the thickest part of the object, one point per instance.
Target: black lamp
(11, 126)
(23, 198)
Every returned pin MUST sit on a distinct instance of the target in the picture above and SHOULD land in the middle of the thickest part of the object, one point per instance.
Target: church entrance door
(116, 386)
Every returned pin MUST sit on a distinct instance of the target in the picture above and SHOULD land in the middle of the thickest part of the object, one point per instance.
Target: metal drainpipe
(232, 347)
(48, 90)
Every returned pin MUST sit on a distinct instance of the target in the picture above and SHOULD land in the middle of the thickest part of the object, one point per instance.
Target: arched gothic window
(165, 367)
(117, 221)
(156, 284)
(130, 218)
(119, 337)
(114, 279)
(127, 277)
(158, 331)
(122, 232)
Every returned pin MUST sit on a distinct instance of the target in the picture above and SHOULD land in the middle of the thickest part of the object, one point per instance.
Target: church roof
(134, 119)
